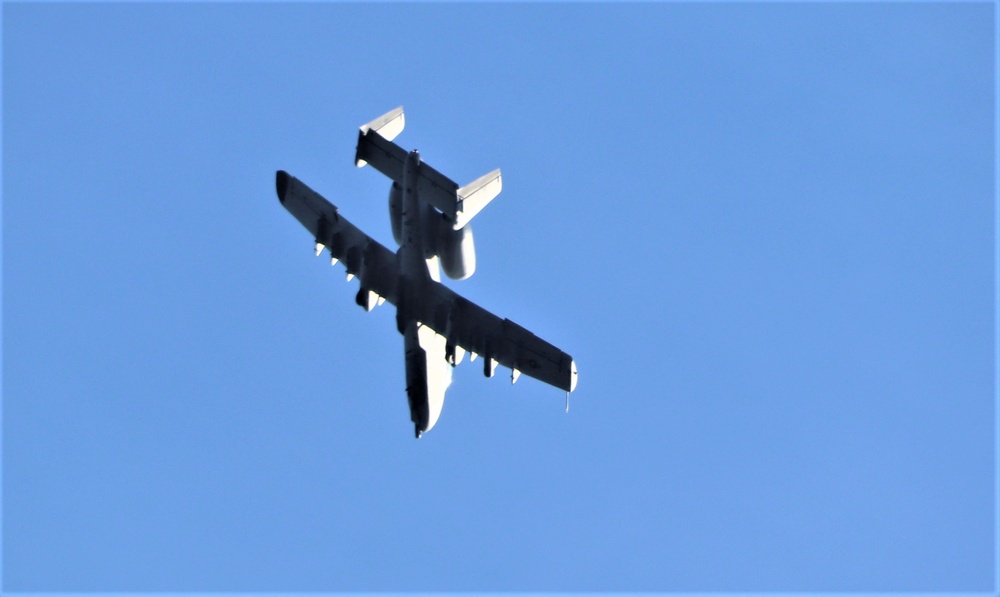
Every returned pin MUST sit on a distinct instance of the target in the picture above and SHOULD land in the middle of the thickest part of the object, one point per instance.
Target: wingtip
(281, 184)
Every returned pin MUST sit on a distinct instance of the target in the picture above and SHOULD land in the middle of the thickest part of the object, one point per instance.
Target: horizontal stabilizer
(388, 158)
(459, 205)
(388, 126)
(473, 197)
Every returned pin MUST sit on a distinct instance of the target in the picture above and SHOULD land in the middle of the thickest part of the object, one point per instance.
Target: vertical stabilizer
(388, 126)
(473, 197)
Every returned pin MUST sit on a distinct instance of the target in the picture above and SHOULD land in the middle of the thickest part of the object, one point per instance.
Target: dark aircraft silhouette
(430, 217)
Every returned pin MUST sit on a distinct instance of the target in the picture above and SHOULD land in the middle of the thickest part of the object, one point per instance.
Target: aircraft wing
(468, 326)
(372, 263)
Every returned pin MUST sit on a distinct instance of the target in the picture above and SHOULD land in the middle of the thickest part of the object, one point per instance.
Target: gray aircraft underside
(430, 217)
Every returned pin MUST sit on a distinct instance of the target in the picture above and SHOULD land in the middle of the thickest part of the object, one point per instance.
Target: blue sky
(764, 231)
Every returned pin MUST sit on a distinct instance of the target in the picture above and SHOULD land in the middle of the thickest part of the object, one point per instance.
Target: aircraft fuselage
(427, 378)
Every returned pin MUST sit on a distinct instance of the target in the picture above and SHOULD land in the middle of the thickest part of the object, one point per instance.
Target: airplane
(430, 216)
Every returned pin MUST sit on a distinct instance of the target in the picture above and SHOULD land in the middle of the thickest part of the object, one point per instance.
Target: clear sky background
(764, 231)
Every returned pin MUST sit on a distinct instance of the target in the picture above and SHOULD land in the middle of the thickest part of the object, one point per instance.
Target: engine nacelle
(457, 252)
(454, 247)
(396, 212)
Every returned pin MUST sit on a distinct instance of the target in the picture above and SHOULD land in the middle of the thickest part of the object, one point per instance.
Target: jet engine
(454, 247)
(457, 252)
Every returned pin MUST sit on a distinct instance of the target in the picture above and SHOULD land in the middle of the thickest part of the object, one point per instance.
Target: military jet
(430, 216)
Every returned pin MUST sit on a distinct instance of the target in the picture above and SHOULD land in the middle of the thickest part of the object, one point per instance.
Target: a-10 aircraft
(430, 217)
